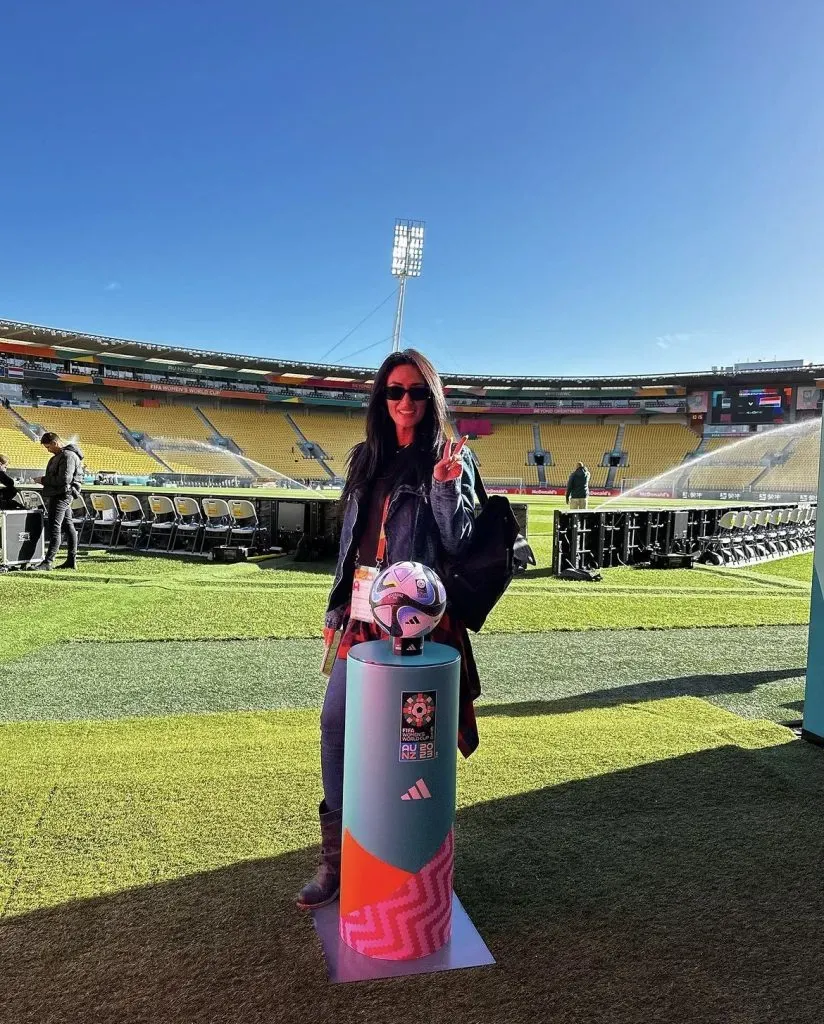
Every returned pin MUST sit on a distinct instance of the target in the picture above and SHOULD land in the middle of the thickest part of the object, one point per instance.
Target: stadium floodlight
(407, 259)
(407, 252)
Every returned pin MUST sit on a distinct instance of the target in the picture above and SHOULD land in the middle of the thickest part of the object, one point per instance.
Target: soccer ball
(408, 600)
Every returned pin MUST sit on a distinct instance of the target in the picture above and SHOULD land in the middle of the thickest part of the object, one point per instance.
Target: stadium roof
(78, 344)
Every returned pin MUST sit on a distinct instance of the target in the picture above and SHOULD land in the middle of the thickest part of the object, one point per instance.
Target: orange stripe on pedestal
(366, 878)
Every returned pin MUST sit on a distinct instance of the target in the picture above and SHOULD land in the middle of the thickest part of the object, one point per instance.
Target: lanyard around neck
(380, 551)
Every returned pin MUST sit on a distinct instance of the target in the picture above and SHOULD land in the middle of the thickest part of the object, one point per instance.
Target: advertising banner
(698, 401)
(179, 389)
(595, 492)
(726, 430)
(480, 428)
(807, 398)
(544, 410)
(658, 493)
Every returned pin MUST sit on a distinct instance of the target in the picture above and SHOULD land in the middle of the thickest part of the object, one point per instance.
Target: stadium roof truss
(73, 344)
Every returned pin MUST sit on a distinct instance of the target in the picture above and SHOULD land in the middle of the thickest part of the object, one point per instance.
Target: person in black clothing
(61, 485)
(8, 489)
(577, 489)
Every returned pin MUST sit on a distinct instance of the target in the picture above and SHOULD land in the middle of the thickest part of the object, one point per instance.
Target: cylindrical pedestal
(399, 800)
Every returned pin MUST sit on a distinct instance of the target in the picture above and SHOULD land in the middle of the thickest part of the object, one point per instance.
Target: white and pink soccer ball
(408, 600)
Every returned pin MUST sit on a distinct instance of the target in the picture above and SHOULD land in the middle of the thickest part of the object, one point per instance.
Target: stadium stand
(502, 454)
(723, 477)
(571, 443)
(800, 471)
(739, 467)
(191, 462)
(104, 447)
(22, 452)
(712, 444)
(167, 423)
(335, 432)
(177, 421)
(267, 437)
(654, 448)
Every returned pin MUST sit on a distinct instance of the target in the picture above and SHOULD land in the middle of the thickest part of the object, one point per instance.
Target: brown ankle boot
(325, 886)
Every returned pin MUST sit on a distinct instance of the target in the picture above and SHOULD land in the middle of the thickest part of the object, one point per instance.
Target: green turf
(630, 848)
(136, 597)
(799, 567)
(624, 864)
(758, 673)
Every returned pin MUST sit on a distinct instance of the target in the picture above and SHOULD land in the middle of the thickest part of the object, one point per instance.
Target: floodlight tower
(407, 257)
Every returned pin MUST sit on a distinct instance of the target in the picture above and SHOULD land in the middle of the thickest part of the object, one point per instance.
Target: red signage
(595, 492)
(480, 428)
(545, 410)
(179, 389)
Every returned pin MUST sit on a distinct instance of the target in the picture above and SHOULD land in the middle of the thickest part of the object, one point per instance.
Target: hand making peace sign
(450, 467)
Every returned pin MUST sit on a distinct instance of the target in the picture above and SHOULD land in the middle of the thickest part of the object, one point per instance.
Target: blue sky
(608, 187)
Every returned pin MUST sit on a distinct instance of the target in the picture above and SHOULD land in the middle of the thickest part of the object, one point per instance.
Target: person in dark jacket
(8, 488)
(577, 489)
(61, 485)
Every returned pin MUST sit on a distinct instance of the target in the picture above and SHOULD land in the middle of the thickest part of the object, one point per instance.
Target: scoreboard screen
(750, 405)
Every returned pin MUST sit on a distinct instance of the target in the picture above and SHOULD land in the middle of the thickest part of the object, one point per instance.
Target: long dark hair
(369, 458)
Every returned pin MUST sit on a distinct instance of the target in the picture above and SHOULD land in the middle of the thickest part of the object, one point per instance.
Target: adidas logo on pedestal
(419, 791)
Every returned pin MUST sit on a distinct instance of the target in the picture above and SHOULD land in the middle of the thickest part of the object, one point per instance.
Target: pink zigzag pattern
(411, 923)
(414, 921)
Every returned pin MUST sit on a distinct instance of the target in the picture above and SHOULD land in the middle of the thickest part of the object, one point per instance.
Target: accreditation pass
(365, 576)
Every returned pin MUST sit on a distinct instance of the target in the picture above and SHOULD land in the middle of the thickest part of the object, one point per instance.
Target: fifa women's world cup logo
(419, 710)
(417, 740)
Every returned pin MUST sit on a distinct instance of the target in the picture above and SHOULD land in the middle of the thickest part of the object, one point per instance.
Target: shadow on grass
(637, 693)
(534, 574)
(686, 890)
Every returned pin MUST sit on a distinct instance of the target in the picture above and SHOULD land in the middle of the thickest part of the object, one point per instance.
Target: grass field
(637, 835)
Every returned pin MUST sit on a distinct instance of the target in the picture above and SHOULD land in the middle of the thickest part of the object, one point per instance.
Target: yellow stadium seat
(265, 436)
(165, 420)
(571, 443)
(654, 448)
(335, 431)
(98, 436)
(21, 451)
(800, 471)
(502, 455)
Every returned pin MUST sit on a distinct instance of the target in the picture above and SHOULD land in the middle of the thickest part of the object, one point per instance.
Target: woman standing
(409, 496)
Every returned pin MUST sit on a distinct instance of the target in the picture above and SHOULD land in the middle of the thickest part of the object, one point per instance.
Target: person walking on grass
(409, 496)
(61, 485)
(577, 488)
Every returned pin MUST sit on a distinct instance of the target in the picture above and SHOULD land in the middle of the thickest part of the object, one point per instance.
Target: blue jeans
(332, 722)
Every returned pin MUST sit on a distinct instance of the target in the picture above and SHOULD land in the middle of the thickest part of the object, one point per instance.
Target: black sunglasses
(418, 392)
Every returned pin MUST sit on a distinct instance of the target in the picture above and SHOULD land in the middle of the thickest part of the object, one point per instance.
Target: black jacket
(578, 484)
(8, 491)
(64, 474)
